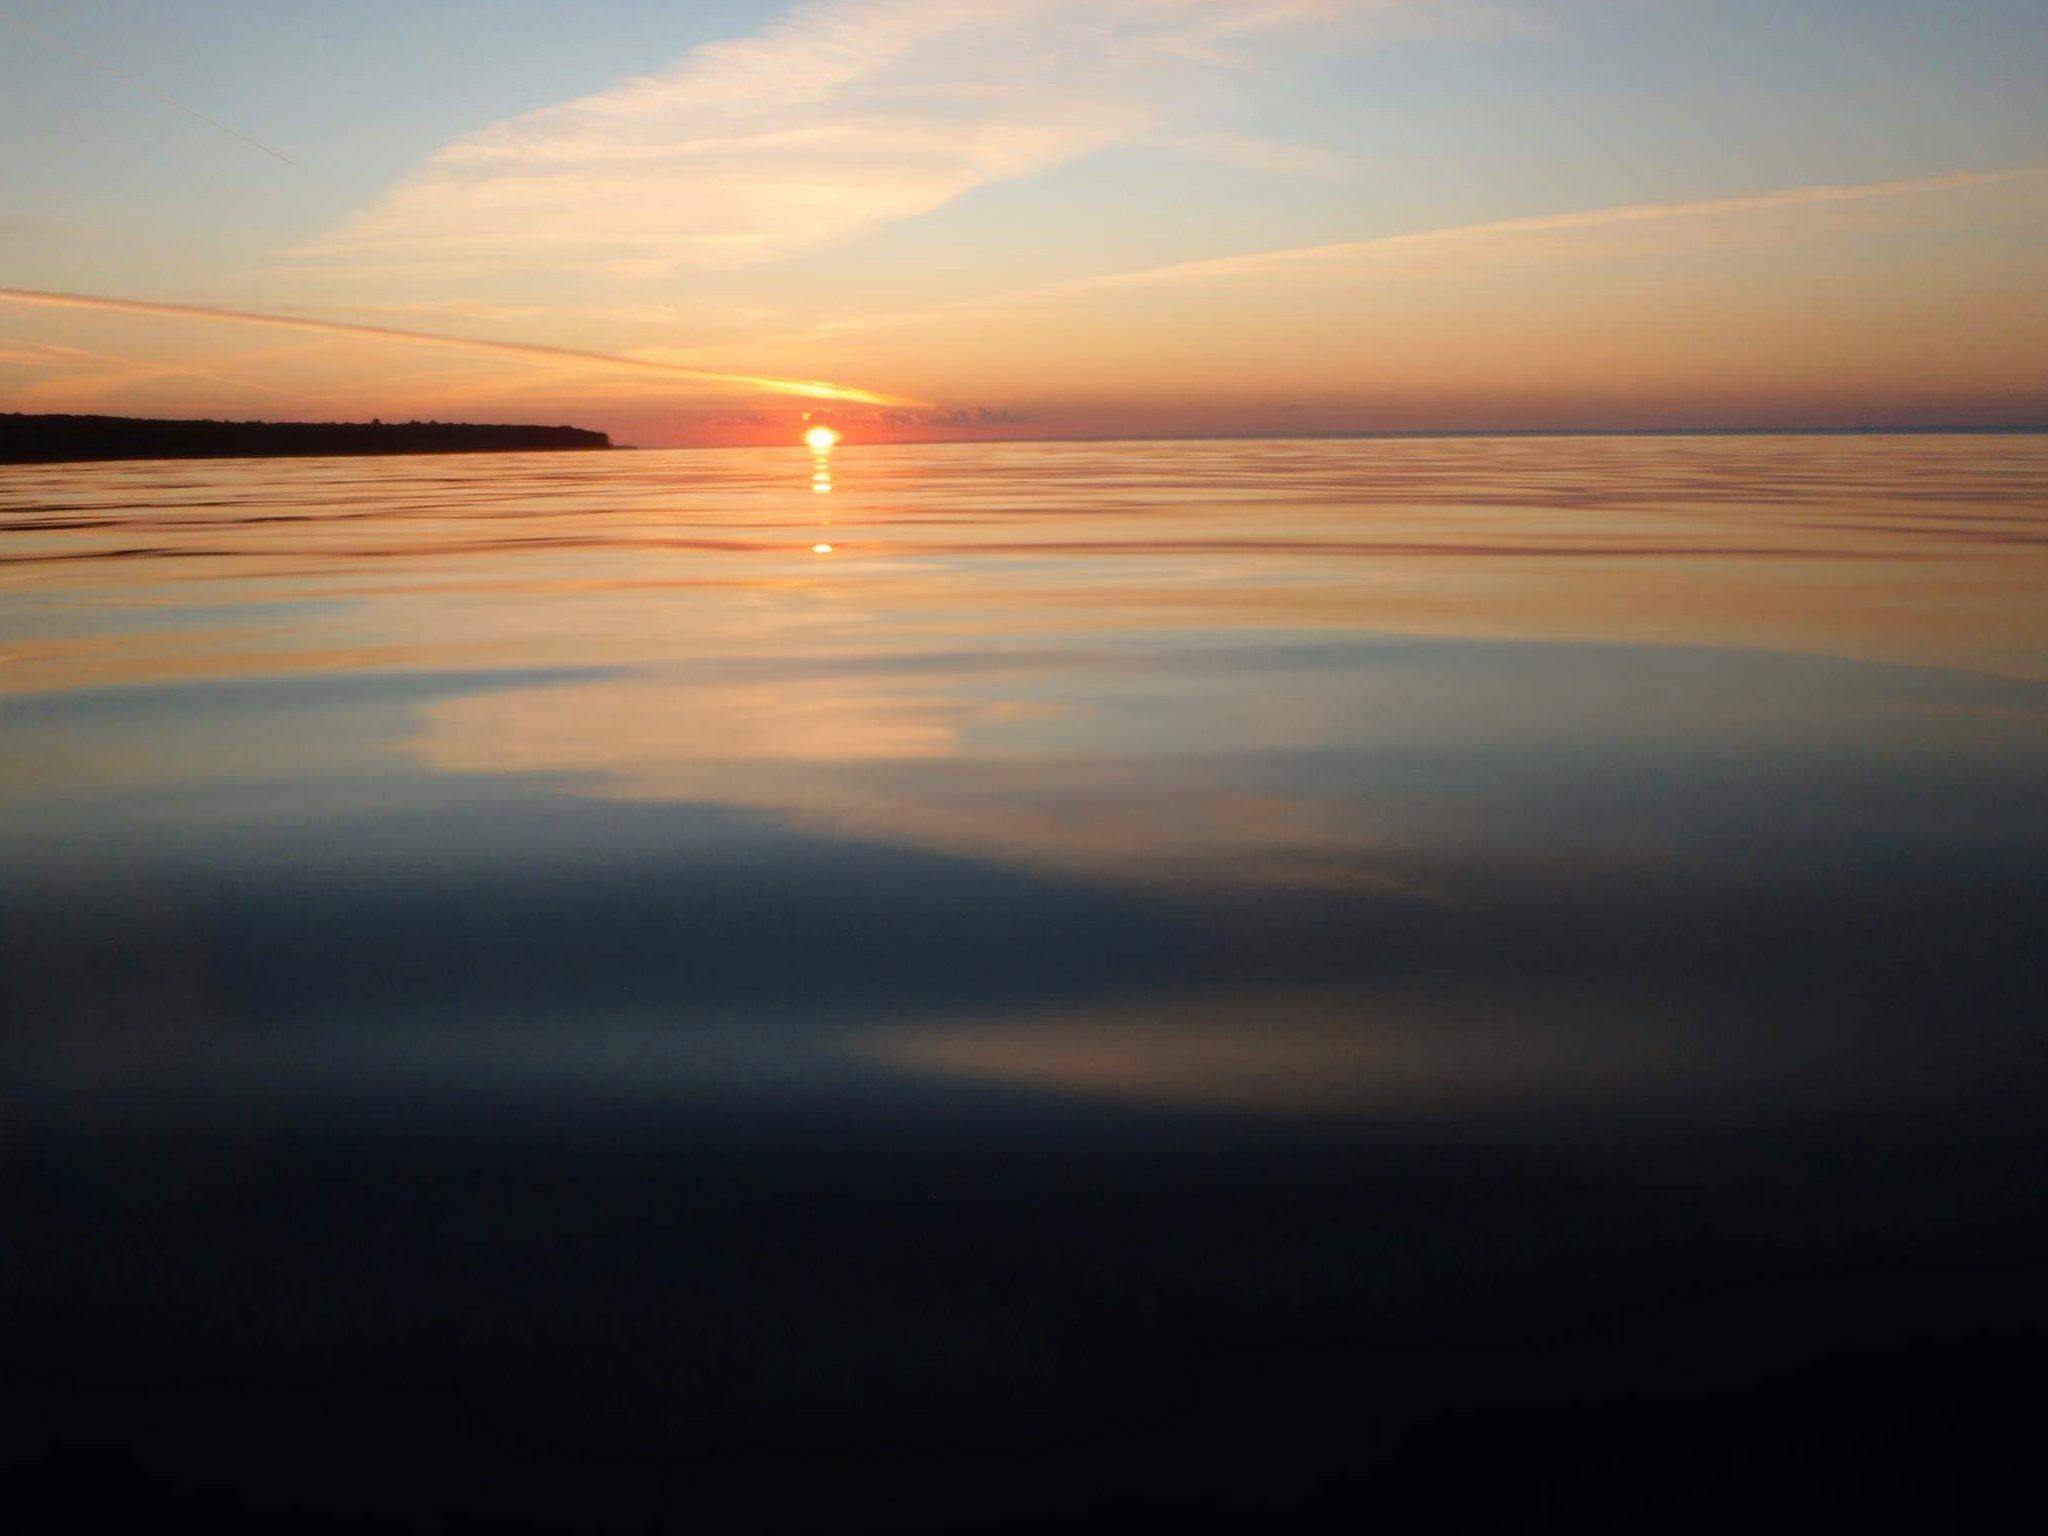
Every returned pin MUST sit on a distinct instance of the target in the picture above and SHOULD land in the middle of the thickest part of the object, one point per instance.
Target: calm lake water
(1015, 977)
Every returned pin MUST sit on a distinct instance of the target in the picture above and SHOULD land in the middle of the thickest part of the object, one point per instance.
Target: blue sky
(1599, 100)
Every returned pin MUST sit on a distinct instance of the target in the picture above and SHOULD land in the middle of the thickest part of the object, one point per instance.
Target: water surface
(1017, 950)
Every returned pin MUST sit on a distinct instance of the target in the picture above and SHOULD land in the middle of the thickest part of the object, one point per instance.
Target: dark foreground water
(1477, 985)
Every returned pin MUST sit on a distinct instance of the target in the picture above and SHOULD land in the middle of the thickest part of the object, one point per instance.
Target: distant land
(55, 439)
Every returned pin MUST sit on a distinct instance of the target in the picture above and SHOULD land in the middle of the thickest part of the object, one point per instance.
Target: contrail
(1259, 263)
(108, 70)
(1635, 213)
(811, 388)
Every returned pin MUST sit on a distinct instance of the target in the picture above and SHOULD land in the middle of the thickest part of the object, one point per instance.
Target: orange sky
(932, 232)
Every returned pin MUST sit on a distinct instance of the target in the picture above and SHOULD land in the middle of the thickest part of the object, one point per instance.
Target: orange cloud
(809, 388)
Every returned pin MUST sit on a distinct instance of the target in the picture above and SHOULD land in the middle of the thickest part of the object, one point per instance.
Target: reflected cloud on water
(1294, 1053)
(1328, 777)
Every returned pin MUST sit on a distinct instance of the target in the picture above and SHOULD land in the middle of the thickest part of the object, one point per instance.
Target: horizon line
(1918, 429)
(2032, 429)
(1740, 429)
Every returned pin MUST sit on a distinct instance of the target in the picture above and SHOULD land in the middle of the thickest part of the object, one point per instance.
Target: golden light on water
(821, 549)
(821, 440)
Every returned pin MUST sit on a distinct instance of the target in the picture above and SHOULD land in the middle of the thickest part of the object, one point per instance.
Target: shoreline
(18, 461)
(73, 439)
(581, 440)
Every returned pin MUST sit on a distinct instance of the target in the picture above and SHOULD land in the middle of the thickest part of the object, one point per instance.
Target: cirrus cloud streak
(808, 388)
(844, 115)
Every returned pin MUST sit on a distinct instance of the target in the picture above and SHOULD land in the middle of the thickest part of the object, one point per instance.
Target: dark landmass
(55, 439)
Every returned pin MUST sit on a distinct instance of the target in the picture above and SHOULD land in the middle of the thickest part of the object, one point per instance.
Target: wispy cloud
(808, 388)
(844, 115)
(1262, 262)
(95, 62)
(80, 373)
(1500, 233)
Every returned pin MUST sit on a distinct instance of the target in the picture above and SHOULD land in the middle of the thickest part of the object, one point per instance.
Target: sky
(705, 223)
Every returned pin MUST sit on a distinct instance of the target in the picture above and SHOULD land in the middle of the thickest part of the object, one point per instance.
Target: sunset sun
(821, 437)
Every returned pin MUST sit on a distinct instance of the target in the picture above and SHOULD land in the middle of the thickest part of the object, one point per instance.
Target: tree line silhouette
(26, 439)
